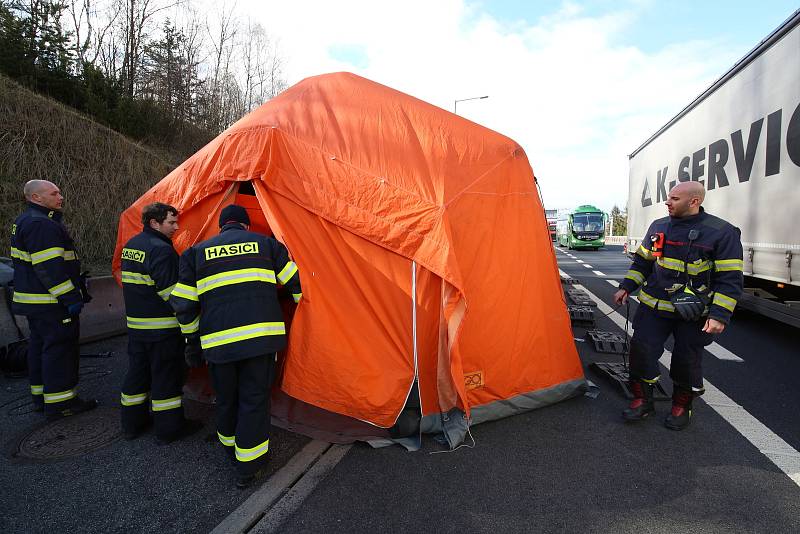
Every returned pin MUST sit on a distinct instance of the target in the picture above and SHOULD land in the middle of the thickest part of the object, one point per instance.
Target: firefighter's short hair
(157, 211)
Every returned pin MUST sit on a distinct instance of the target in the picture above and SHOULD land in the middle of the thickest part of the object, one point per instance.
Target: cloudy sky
(578, 84)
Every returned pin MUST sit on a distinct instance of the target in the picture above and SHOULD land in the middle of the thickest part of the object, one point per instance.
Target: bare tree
(223, 43)
(137, 21)
(91, 22)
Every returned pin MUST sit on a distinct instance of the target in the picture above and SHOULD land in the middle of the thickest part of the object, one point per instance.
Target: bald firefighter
(226, 301)
(689, 269)
(49, 290)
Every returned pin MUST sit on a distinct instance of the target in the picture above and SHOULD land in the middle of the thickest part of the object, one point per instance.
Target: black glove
(193, 354)
(688, 304)
(83, 285)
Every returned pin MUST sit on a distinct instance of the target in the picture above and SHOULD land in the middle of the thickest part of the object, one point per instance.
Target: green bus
(584, 227)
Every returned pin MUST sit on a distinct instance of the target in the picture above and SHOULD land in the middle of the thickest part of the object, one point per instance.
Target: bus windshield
(587, 222)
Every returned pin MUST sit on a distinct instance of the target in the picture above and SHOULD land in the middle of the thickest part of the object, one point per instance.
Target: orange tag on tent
(473, 380)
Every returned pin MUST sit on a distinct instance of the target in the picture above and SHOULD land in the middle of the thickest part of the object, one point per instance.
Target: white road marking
(613, 283)
(579, 261)
(780, 453)
(599, 273)
(284, 491)
(722, 353)
(588, 266)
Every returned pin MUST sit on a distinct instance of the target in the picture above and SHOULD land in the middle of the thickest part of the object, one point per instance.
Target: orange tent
(429, 279)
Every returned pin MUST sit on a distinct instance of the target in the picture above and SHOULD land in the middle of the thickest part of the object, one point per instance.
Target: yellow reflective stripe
(34, 298)
(37, 389)
(69, 255)
(248, 455)
(130, 277)
(151, 323)
(192, 327)
(636, 276)
(237, 276)
(651, 301)
(670, 263)
(62, 288)
(133, 400)
(297, 297)
(724, 301)
(241, 333)
(650, 380)
(287, 272)
(164, 293)
(50, 398)
(228, 441)
(728, 265)
(47, 254)
(697, 268)
(644, 253)
(184, 291)
(20, 254)
(160, 405)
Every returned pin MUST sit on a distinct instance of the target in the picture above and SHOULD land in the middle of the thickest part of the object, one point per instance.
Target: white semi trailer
(741, 139)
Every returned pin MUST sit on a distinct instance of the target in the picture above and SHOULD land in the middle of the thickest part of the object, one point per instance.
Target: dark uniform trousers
(53, 359)
(651, 331)
(155, 370)
(242, 412)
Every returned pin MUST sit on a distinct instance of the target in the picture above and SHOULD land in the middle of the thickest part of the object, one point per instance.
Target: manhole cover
(71, 436)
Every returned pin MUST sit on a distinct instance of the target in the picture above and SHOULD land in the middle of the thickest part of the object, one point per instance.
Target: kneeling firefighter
(227, 304)
(689, 268)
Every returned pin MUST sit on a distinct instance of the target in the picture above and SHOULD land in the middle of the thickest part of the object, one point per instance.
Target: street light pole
(455, 102)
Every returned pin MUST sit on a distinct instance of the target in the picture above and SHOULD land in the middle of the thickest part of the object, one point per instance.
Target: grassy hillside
(99, 171)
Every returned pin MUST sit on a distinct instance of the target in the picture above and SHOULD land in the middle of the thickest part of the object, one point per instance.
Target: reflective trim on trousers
(228, 441)
(248, 455)
(133, 400)
(159, 405)
(37, 389)
(61, 396)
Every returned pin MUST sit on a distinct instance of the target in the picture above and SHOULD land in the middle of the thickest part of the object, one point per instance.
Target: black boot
(681, 413)
(642, 404)
(188, 428)
(77, 406)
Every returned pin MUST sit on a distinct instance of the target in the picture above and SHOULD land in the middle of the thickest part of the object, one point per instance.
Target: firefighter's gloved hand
(83, 285)
(73, 310)
(688, 305)
(193, 354)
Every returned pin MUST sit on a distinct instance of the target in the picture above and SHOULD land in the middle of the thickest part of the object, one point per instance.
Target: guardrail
(103, 317)
(616, 239)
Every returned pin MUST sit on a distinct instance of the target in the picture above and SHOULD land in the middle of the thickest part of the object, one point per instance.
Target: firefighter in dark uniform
(689, 269)
(227, 300)
(155, 343)
(50, 291)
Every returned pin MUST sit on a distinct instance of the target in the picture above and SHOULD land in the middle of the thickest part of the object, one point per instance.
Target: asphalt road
(571, 467)
(576, 467)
